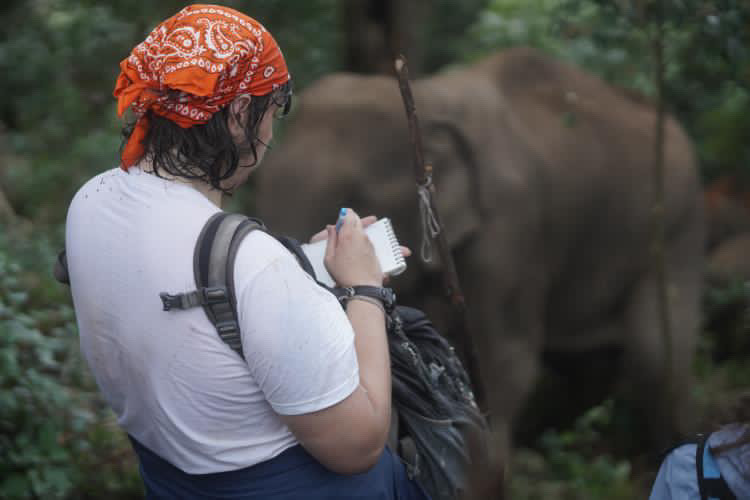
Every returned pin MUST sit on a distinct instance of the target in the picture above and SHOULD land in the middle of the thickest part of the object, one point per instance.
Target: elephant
(543, 175)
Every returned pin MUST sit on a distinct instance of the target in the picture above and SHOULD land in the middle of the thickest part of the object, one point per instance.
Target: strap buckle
(207, 296)
(213, 295)
(170, 302)
(346, 293)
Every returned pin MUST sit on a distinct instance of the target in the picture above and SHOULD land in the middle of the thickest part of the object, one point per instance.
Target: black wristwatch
(385, 295)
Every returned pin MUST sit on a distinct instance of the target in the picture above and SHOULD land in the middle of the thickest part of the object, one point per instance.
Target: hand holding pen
(340, 221)
(350, 257)
(366, 221)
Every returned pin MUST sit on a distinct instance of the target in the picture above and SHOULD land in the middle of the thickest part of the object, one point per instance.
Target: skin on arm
(349, 436)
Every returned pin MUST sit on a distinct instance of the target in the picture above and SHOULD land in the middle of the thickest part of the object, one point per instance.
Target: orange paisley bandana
(193, 64)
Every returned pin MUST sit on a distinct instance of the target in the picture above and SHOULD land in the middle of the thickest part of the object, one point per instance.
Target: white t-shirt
(171, 381)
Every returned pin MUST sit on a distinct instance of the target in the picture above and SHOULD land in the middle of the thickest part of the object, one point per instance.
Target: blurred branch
(659, 212)
(423, 176)
(7, 214)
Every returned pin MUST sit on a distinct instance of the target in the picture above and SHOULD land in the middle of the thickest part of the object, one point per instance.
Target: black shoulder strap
(710, 483)
(295, 248)
(213, 268)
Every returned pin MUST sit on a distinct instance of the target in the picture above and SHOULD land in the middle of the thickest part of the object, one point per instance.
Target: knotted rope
(430, 225)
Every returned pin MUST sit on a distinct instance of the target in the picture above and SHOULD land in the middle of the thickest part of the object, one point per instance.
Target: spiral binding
(395, 246)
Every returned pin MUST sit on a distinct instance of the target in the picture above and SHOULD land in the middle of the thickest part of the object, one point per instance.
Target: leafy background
(58, 127)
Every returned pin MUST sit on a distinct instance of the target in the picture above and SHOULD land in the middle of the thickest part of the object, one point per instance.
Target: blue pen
(340, 221)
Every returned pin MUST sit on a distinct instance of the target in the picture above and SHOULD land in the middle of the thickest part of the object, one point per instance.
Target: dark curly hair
(206, 152)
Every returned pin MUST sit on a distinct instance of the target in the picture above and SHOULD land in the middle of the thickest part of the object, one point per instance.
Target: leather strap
(385, 296)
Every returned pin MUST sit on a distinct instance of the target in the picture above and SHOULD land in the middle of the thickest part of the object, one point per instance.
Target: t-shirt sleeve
(677, 478)
(297, 340)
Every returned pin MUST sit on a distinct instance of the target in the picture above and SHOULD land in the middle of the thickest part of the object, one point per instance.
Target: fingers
(323, 233)
(320, 235)
(332, 237)
(351, 223)
(405, 251)
(370, 219)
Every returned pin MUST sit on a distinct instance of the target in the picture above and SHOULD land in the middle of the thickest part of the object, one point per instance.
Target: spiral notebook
(387, 250)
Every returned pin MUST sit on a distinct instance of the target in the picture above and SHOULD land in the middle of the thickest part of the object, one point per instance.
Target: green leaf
(15, 486)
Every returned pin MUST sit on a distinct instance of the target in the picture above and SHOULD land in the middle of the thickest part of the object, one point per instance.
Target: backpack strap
(295, 247)
(710, 483)
(213, 268)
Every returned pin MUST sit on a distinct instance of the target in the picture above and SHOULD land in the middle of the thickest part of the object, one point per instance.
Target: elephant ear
(456, 181)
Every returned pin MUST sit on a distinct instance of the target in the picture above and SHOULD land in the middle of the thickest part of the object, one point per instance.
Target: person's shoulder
(264, 265)
(734, 461)
(728, 434)
(681, 462)
(260, 241)
(677, 475)
(259, 249)
(89, 191)
(94, 181)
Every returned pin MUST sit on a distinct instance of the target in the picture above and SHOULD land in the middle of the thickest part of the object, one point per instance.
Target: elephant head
(351, 148)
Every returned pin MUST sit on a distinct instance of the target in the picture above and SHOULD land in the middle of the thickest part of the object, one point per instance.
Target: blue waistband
(291, 475)
(288, 459)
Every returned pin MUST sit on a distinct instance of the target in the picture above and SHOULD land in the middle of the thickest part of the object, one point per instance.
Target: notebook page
(387, 250)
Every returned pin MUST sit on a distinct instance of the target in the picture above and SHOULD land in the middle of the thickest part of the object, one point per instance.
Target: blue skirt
(293, 474)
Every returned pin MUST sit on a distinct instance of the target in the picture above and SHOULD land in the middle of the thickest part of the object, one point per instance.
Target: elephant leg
(506, 323)
(510, 368)
(663, 398)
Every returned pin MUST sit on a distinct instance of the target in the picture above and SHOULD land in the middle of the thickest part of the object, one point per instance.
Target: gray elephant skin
(544, 184)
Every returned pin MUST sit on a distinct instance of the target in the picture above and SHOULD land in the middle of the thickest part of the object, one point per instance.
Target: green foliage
(53, 429)
(721, 362)
(60, 118)
(575, 463)
(707, 58)
(444, 37)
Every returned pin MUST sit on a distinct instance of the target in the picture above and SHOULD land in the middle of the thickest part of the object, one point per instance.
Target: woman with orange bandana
(306, 413)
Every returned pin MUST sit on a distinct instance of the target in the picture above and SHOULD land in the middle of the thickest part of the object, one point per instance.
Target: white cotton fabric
(171, 381)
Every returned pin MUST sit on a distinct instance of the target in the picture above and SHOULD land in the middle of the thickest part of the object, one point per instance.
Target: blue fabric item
(735, 463)
(710, 468)
(678, 480)
(294, 474)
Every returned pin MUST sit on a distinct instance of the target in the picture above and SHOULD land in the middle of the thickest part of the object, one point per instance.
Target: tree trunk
(377, 31)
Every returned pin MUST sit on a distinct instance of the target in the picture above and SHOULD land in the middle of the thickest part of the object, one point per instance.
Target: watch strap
(383, 294)
(386, 296)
